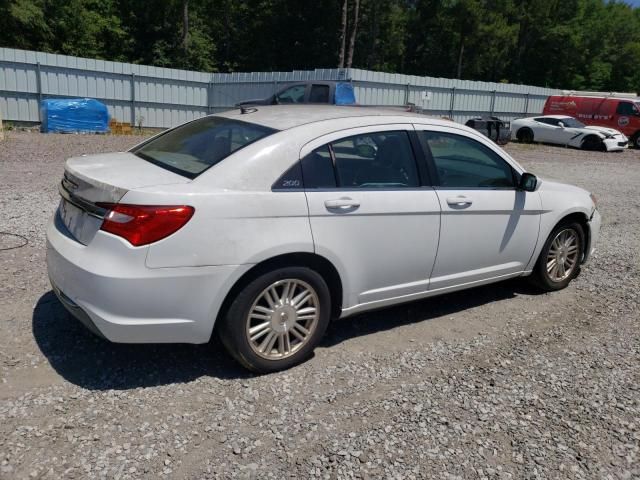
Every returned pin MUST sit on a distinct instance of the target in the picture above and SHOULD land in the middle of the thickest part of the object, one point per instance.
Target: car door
(489, 228)
(372, 211)
(546, 130)
(292, 94)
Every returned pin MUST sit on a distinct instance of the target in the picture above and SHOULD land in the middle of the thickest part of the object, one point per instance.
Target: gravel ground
(496, 382)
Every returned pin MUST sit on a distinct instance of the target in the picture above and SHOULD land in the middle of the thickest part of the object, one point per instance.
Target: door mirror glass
(528, 182)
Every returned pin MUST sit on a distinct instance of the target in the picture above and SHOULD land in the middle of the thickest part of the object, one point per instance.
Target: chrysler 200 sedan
(262, 224)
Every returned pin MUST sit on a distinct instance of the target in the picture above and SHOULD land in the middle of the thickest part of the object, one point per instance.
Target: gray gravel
(498, 382)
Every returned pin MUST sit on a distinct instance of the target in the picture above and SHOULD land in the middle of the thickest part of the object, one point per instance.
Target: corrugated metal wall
(163, 97)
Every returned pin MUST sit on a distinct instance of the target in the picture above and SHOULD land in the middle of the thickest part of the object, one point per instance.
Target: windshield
(572, 123)
(192, 148)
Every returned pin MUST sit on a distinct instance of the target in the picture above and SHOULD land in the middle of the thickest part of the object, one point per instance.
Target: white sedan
(264, 223)
(567, 131)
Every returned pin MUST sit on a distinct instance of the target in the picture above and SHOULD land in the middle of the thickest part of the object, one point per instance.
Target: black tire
(540, 276)
(594, 144)
(525, 135)
(232, 329)
(635, 140)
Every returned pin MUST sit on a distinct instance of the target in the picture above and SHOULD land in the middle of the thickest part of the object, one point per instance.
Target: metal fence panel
(163, 97)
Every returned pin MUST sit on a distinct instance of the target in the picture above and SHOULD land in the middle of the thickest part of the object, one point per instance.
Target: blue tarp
(345, 94)
(74, 115)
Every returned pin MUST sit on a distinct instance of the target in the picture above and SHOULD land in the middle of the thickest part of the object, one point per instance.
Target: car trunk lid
(92, 180)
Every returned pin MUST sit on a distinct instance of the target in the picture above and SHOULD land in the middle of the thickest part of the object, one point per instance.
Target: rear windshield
(196, 146)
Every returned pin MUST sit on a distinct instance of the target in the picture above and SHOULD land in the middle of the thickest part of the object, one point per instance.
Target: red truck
(619, 111)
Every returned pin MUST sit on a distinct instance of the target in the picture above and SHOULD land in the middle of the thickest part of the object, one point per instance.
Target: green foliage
(574, 44)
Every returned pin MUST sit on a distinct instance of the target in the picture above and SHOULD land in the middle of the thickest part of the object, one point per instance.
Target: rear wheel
(560, 258)
(525, 135)
(277, 319)
(635, 140)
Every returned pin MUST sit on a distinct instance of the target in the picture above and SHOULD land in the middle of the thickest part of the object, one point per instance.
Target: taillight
(144, 224)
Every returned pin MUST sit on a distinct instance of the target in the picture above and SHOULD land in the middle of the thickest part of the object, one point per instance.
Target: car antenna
(245, 110)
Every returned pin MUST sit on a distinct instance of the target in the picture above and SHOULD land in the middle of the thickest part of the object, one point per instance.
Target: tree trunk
(460, 54)
(185, 25)
(352, 40)
(343, 34)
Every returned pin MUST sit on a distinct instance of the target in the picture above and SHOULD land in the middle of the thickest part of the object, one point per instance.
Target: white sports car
(567, 131)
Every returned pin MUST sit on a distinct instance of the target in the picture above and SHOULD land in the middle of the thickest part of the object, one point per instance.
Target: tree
(343, 34)
(354, 30)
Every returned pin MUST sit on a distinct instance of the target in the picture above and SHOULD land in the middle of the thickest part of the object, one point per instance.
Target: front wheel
(635, 140)
(559, 260)
(594, 144)
(277, 320)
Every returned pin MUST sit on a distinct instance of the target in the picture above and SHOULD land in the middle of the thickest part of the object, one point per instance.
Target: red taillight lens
(145, 224)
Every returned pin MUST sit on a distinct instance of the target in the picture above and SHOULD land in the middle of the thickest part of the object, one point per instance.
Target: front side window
(572, 123)
(627, 108)
(371, 160)
(293, 94)
(194, 147)
(462, 162)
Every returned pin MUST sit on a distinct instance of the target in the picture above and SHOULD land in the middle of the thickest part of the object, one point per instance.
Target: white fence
(163, 97)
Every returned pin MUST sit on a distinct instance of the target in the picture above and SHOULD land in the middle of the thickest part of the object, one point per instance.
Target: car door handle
(341, 204)
(459, 201)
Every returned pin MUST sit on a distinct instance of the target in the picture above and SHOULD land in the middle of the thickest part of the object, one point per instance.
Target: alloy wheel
(282, 319)
(562, 257)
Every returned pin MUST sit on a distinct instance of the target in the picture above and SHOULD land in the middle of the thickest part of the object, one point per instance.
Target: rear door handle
(341, 204)
(459, 201)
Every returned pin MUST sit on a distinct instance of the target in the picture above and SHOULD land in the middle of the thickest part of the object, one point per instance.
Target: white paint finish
(494, 235)
(395, 246)
(565, 135)
(386, 247)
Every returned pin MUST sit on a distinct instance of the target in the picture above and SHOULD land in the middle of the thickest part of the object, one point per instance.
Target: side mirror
(561, 125)
(528, 182)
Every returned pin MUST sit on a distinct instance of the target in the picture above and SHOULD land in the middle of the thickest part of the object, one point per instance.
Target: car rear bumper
(119, 298)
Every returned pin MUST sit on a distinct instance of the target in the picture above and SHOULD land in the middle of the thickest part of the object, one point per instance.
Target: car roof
(285, 117)
(559, 117)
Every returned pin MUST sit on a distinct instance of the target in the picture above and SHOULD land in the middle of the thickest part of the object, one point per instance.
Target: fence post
(39, 90)
(526, 104)
(406, 93)
(493, 102)
(210, 97)
(453, 99)
(133, 99)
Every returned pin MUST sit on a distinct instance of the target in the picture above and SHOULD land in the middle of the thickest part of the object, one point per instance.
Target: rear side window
(194, 147)
(548, 121)
(372, 160)
(317, 169)
(462, 162)
(319, 94)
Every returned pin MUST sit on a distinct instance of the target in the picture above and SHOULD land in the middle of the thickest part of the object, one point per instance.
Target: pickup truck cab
(315, 92)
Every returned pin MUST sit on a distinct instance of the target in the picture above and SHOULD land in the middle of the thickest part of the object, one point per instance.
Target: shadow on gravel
(424, 310)
(96, 364)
